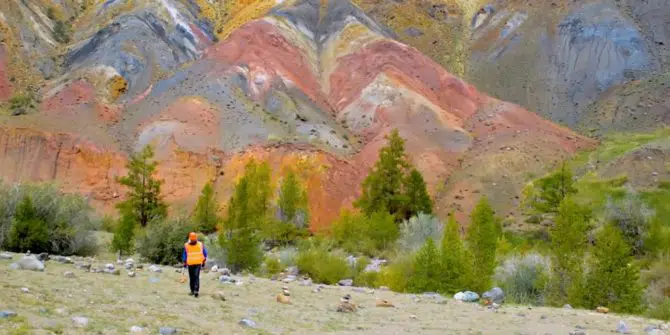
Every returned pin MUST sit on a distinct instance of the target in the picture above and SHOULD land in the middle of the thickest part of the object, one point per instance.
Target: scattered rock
(69, 274)
(7, 314)
(384, 303)
(358, 289)
(25, 290)
(80, 321)
(131, 274)
(5, 256)
(43, 257)
(136, 329)
(345, 282)
(413, 317)
(155, 268)
(29, 263)
(109, 266)
(578, 332)
(247, 323)
(115, 272)
(62, 260)
(225, 271)
(622, 328)
(467, 296)
(289, 278)
(346, 307)
(306, 282)
(652, 330)
(580, 327)
(218, 295)
(83, 266)
(567, 306)
(496, 295)
(129, 264)
(283, 299)
(214, 268)
(167, 330)
(603, 310)
(292, 271)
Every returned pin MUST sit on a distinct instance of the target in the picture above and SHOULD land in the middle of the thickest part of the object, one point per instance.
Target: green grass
(616, 145)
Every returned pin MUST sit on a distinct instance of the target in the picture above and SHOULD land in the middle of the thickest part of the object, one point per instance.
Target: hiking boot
(196, 294)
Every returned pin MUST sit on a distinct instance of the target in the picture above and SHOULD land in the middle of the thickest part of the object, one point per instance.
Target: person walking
(195, 257)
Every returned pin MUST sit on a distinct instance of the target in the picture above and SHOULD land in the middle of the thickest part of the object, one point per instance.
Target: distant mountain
(314, 85)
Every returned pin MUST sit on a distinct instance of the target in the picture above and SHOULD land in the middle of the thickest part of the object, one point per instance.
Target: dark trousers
(194, 277)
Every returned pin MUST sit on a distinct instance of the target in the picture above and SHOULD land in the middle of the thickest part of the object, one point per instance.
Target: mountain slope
(315, 85)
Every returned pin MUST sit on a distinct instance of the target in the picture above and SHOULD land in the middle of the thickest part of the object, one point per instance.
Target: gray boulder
(5, 256)
(247, 323)
(346, 282)
(167, 330)
(226, 279)
(62, 259)
(622, 328)
(83, 266)
(7, 314)
(29, 263)
(109, 266)
(155, 268)
(43, 257)
(80, 321)
(69, 274)
(496, 295)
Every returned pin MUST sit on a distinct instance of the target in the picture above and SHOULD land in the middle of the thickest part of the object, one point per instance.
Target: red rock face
(5, 86)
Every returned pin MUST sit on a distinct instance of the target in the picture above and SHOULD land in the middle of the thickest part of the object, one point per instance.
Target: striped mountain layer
(311, 85)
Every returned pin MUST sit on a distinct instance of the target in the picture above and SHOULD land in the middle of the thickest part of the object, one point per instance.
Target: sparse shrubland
(40, 218)
(524, 278)
(163, 240)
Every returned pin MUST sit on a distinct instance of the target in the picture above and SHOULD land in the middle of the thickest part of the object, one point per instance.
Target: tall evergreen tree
(482, 242)
(548, 192)
(426, 274)
(613, 280)
(292, 201)
(455, 262)
(144, 201)
(568, 248)
(382, 189)
(247, 213)
(206, 214)
(418, 200)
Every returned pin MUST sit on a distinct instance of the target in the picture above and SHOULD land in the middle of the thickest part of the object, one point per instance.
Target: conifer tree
(482, 242)
(206, 217)
(416, 194)
(293, 201)
(247, 213)
(382, 189)
(612, 280)
(549, 192)
(144, 202)
(426, 274)
(124, 234)
(455, 262)
(568, 247)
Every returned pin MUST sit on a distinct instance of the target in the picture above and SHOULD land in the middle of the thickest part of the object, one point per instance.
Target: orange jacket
(195, 253)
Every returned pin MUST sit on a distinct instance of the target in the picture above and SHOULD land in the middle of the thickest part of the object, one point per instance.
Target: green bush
(523, 279)
(396, 276)
(369, 235)
(163, 241)
(367, 279)
(21, 104)
(657, 295)
(427, 270)
(272, 266)
(660, 311)
(322, 265)
(62, 31)
(108, 224)
(29, 212)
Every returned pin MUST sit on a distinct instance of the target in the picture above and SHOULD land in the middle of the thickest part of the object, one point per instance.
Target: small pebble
(25, 290)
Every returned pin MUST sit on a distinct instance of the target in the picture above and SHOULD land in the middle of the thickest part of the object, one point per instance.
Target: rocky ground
(83, 302)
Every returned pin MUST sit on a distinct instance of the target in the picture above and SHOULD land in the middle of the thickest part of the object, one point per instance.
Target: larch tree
(482, 242)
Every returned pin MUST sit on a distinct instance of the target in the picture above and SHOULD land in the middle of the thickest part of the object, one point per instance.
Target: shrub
(632, 217)
(163, 241)
(272, 266)
(523, 279)
(397, 274)
(657, 294)
(415, 231)
(323, 266)
(108, 224)
(29, 212)
(62, 32)
(371, 235)
(657, 241)
(21, 104)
